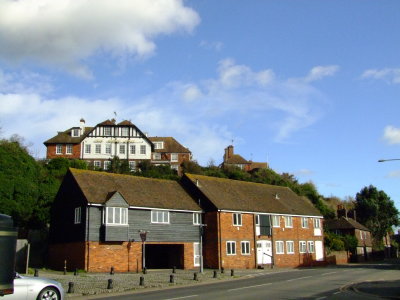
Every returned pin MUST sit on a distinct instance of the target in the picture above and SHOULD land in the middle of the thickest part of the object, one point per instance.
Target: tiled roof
(137, 191)
(344, 223)
(65, 137)
(126, 122)
(170, 145)
(236, 159)
(235, 195)
(258, 165)
(107, 122)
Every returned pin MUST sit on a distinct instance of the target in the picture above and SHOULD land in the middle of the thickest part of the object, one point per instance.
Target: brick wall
(51, 151)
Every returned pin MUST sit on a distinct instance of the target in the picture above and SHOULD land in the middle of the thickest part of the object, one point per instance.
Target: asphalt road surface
(333, 283)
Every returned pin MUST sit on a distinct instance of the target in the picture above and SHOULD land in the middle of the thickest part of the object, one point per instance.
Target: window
(132, 149)
(302, 247)
(317, 223)
(116, 216)
(107, 165)
(108, 148)
(125, 131)
(196, 254)
(158, 145)
(156, 156)
(77, 218)
(142, 149)
(97, 148)
(231, 248)
(121, 149)
(175, 167)
(245, 246)
(279, 247)
(257, 219)
(107, 131)
(237, 219)
(361, 235)
(288, 222)
(69, 149)
(88, 148)
(97, 164)
(75, 132)
(132, 165)
(304, 222)
(276, 221)
(160, 216)
(174, 157)
(196, 218)
(310, 245)
(58, 149)
(289, 247)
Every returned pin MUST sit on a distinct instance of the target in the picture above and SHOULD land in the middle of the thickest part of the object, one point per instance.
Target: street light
(143, 236)
(383, 160)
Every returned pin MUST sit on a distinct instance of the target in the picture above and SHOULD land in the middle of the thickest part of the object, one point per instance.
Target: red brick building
(251, 224)
(231, 159)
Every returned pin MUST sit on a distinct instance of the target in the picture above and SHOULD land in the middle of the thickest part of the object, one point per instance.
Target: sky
(311, 87)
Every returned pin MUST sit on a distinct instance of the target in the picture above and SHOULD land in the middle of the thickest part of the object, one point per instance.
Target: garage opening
(164, 256)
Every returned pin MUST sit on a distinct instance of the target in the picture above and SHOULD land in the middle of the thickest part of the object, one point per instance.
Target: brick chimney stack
(341, 211)
(228, 152)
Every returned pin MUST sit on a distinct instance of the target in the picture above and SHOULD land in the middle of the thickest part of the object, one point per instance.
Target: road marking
(337, 293)
(328, 273)
(191, 296)
(249, 287)
(298, 278)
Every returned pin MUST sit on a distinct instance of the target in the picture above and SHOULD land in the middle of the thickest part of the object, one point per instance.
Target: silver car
(35, 288)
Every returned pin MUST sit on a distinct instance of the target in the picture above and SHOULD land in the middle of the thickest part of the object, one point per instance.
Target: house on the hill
(252, 224)
(98, 220)
(99, 144)
(235, 160)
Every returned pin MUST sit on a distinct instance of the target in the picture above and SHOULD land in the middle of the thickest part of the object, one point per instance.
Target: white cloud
(63, 33)
(391, 135)
(216, 46)
(393, 174)
(389, 75)
(320, 72)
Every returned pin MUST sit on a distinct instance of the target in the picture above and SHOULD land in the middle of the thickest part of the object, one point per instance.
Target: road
(331, 283)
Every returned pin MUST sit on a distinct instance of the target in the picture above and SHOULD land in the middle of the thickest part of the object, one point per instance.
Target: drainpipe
(87, 238)
(220, 240)
(255, 240)
(272, 244)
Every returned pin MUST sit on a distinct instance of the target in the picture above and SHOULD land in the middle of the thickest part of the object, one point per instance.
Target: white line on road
(249, 287)
(191, 296)
(328, 273)
(298, 278)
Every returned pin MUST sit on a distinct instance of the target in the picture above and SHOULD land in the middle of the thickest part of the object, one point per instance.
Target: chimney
(341, 211)
(82, 124)
(228, 152)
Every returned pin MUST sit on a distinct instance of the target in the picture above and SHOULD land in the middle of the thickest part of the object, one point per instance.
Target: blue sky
(311, 87)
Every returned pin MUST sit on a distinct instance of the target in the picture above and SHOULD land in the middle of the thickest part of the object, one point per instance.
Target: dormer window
(158, 145)
(75, 132)
(124, 131)
(107, 131)
(116, 216)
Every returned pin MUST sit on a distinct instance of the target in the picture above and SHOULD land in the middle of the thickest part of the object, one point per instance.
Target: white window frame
(158, 145)
(97, 164)
(310, 246)
(245, 247)
(157, 156)
(276, 221)
(196, 258)
(106, 165)
(196, 218)
(125, 131)
(59, 148)
(68, 149)
(304, 222)
(279, 247)
(122, 149)
(97, 148)
(75, 132)
(88, 148)
(132, 165)
(230, 248)
(143, 149)
(77, 215)
(132, 149)
(302, 247)
(257, 219)
(108, 149)
(288, 221)
(289, 247)
(175, 167)
(111, 210)
(237, 219)
(107, 131)
(174, 157)
(361, 235)
(317, 223)
(160, 216)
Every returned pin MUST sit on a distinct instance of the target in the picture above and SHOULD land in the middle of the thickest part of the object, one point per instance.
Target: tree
(376, 211)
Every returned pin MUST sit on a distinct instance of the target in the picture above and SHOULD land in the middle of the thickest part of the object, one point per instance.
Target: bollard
(76, 272)
(195, 276)
(215, 274)
(110, 284)
(174, 269)
(141, 282)
(222, 270)
(65, 267)
(171, 279)
(144, 270)
(36, 273)
(232, 272)
(112, 271)
(70, 288)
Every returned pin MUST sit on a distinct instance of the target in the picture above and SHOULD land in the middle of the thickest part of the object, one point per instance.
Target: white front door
(264, 252)
(196, 253)
(319, 251)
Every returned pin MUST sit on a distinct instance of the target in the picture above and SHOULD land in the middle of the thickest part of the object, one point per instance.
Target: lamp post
(383, 160)
(143, 236)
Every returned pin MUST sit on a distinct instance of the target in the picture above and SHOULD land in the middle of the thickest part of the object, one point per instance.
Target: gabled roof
(170, 145)
(126, 122)
(137, 191)
(236, 159)
(344, 223)
(65, 137)
(235, 195)
(107, 122)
